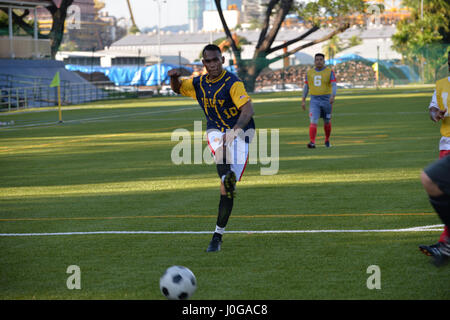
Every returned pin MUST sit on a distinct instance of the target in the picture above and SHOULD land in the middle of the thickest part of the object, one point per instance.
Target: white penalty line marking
(100, 118)
(436, 227)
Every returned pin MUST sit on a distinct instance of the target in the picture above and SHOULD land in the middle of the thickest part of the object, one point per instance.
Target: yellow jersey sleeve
(187, 88)
(239, 94)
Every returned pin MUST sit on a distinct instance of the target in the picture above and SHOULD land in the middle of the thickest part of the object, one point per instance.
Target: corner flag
(55, 81)
(375, 66)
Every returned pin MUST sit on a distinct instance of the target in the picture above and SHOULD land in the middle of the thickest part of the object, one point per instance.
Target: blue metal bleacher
(25, 83)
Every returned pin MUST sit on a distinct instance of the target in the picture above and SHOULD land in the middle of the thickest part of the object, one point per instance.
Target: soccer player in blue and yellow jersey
(230, 126)
(321, 83)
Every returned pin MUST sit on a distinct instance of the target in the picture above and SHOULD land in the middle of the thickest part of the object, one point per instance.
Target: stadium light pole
(378, 64)
(159, 40)
(421, 60)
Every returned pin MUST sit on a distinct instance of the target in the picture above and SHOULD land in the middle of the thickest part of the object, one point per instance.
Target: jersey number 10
(233, 112)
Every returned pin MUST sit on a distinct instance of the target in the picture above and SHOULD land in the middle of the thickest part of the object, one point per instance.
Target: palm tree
(336, 45)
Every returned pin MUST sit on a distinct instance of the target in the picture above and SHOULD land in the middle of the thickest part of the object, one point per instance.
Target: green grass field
(108, 168)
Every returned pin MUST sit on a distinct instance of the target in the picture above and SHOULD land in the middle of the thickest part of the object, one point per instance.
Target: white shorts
(444, 143)
(238, 153)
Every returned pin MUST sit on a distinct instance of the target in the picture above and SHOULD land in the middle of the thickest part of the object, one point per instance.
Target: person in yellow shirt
(438, 108)
(321, 83)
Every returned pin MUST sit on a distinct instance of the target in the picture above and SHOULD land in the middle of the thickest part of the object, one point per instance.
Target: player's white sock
(219, 230)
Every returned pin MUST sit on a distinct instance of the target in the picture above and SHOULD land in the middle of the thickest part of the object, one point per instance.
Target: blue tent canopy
(131, 75)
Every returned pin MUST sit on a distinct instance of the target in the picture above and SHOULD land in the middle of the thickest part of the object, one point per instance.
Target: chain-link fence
(16, 98)
(354, 71)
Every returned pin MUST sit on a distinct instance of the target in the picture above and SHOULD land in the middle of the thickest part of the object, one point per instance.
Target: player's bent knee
(430, 187)
(222, 169)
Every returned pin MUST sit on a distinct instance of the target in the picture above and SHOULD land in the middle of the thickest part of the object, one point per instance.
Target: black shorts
(439, 173)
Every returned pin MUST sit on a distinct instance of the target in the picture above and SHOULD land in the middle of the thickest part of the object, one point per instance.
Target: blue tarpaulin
(131, 75)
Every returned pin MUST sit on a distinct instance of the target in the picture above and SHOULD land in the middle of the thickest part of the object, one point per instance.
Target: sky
(173, 12)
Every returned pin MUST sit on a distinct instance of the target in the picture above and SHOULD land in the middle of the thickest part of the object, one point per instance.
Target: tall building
(92, 28)
(195, 14)
(196, 8)
(210, 5)
(252, 10)
(238, 3)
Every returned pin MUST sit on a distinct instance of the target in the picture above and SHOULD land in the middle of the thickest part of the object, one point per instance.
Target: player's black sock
(222, 169)
(441, 205)
(225, 207)
(217, 235)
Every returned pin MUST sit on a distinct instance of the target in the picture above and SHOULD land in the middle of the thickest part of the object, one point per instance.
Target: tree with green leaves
(333, 14)
(423, 39)
(59, 15)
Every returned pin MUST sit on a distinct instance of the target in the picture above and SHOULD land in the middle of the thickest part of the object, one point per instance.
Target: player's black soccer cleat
(311, 145)
(440, 254)
(327, 144)
(214, 245)
(230, 184)
(426, 250)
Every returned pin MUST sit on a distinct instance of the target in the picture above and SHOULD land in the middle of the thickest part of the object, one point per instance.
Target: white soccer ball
(178, 283)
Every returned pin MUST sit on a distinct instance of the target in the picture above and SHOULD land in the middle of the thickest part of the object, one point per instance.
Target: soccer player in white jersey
(438, 109)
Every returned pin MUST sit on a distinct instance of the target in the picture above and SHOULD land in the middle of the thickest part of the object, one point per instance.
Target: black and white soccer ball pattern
(178, 283)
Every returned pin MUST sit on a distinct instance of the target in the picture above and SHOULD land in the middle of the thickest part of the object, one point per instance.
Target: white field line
(191, 107)
(99, 118)
(437, 227)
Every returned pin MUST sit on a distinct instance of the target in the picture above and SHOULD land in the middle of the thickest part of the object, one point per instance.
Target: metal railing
(37, 96)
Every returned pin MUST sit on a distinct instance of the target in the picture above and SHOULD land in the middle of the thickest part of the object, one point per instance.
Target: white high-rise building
(195, 14)
(252, 10)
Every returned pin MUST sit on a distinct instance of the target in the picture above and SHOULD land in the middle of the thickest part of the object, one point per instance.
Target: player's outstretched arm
(175, 82)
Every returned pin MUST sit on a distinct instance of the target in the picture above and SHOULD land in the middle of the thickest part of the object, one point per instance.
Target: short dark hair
(319, 55)
(211, 47)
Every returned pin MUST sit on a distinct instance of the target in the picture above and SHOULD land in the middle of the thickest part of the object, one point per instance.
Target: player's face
(213, 62)
(319, 62)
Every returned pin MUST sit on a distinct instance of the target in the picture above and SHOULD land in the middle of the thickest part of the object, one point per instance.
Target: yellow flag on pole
(56, 81)
(375, 67)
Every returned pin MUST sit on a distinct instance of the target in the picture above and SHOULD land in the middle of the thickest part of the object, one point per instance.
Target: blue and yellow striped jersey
(220, 99)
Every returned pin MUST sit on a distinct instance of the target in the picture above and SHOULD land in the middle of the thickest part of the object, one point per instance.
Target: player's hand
(331, 99)
(174, 73)
(437, 115)
(303, 105)
(229, 137)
